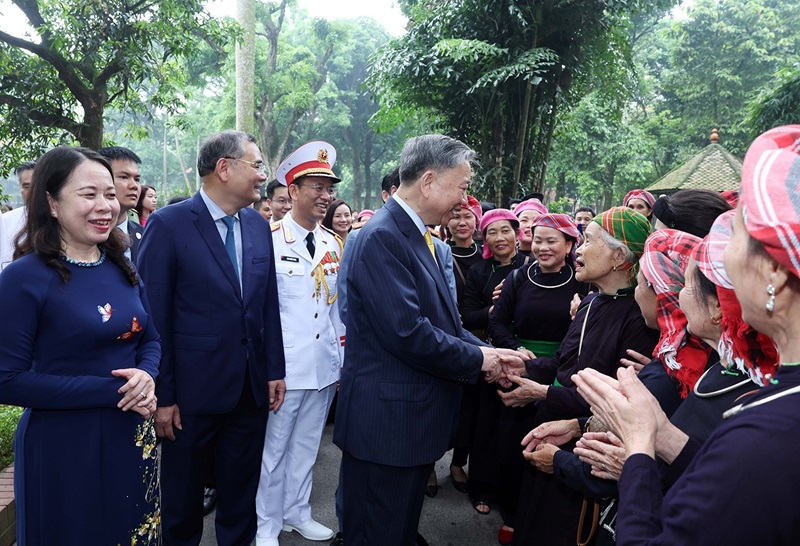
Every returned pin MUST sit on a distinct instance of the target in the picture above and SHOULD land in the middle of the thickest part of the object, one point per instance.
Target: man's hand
(552, 432)
(542, 457)
(168, 417)
(499, 363)
(527, 391)
(277, 390)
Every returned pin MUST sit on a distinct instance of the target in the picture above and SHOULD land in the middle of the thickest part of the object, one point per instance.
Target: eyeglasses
(320, 188)
(259, 166)
(282, 202)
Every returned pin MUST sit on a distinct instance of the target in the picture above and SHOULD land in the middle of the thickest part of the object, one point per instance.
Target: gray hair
(219, 145)
(432, 152)
(615, 244)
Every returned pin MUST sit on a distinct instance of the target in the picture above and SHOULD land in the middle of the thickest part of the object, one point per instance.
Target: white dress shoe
(310, 530)
(267, 541)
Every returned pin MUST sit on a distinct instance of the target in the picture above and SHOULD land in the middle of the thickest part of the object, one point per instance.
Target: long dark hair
(42, 232)
(327, 221)
(142, 193)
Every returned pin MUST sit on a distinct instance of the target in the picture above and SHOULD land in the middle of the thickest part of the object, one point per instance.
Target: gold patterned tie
(429, 240)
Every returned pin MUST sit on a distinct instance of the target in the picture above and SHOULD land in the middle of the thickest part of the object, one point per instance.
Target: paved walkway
(447, 520)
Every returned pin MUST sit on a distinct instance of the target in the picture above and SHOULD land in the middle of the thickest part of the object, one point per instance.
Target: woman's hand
(527, 391)
(497, 290)
(573, 305)
(552, 432)
(138, 392)
(542, 458)
(627, 407)
(639, 360)
(604, 451)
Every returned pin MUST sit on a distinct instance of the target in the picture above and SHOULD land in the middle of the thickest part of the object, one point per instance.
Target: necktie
(230, 242)
(429, 240)
(310, 244)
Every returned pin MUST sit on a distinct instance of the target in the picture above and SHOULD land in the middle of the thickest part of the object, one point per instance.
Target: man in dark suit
(209, 272)
(125, 166)
(406, 354)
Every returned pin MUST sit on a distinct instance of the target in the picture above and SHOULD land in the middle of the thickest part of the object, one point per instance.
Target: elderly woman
(641, 201)
(763, 430)
(607, 324)
(80, 353)
(681, 357)
(526, 212)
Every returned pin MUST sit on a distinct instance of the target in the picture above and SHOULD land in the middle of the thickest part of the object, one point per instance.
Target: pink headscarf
(770, 195)
(492, 216)
(752, 352)
(530, 204)
(644, 195)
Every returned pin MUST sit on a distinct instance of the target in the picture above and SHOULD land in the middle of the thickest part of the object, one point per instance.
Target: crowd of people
(622, 377)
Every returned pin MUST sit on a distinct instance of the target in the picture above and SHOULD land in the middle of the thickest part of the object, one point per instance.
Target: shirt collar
(215, 210)
(412, 214)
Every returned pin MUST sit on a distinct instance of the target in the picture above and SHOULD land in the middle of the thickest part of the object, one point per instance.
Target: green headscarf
(628, 226)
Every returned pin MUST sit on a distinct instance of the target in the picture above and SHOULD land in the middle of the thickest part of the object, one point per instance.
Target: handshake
(500, 364)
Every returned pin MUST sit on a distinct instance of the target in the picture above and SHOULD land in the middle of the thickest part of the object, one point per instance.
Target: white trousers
(290, 451)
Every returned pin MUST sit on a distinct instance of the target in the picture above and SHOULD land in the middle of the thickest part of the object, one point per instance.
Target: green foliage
(495, 73)
(9, 417)
(88, 56)
(777, 104)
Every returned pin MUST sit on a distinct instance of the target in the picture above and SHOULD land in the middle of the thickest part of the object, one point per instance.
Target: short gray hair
(219, 145)
(615, 244)
(432, 152)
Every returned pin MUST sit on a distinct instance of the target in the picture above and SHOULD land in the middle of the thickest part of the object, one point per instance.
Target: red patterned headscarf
(644, 195)
(752, 352)
(666, 254)
(770, 196)
(563, 223)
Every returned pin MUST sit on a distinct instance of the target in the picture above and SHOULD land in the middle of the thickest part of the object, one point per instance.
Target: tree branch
(46, 119)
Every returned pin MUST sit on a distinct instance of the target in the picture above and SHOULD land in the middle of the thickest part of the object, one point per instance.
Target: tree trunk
(90, 134)
(245, 66)
(367, 161)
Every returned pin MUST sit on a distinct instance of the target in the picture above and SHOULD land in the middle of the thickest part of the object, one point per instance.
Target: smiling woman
(81, 354)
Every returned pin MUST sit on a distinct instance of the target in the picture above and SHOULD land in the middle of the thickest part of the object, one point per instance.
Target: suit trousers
(290, 451)
(232, 443)
(382, 504)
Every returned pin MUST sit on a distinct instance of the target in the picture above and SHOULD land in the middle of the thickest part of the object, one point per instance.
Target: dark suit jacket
(211, 332)
(406, 356)
(135, 233)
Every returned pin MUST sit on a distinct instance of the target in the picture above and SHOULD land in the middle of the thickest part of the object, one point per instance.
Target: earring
(771, 301)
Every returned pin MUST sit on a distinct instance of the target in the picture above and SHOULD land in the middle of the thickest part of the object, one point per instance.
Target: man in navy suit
(209, 272)
(406, 354)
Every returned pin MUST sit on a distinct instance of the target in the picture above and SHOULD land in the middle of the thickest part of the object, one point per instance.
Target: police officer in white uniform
(307, 263)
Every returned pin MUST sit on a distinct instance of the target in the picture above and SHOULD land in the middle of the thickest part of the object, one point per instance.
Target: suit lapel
(248, 234)
(419, 247)
(210, 234)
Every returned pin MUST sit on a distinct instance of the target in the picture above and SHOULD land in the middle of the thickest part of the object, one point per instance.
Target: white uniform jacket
(313, 334)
